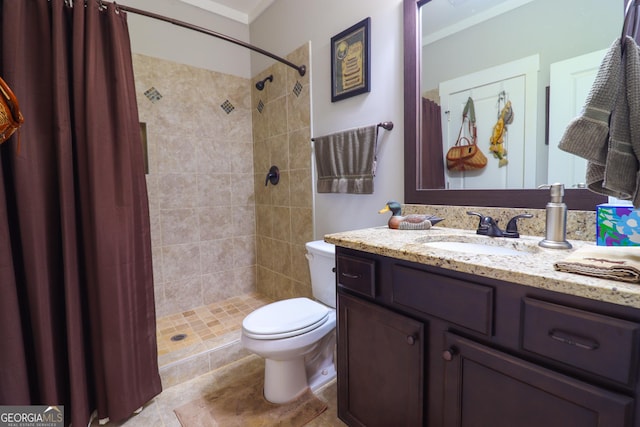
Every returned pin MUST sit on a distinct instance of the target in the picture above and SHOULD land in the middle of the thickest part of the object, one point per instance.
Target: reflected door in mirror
(571, 81)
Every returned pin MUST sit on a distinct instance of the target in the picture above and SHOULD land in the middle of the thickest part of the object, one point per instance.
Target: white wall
(159, 39)
(287, 24)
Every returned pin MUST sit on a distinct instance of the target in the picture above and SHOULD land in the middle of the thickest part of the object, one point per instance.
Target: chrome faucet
(556, 223)
(488, 226)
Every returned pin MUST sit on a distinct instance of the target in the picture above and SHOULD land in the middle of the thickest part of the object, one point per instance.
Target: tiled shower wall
(284, 212)
(200, 182)
(216, 230)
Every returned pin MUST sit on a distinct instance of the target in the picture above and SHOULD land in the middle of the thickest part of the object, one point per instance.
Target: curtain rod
(301, 69)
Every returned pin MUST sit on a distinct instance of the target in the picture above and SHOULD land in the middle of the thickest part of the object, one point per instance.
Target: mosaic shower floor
(180, 331)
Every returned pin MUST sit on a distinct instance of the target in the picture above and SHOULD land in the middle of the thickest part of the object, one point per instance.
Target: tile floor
(159, 412)
(213, 323)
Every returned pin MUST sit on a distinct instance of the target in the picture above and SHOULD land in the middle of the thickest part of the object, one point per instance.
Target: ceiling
(441, 18)
(243, 11)
(448, 13)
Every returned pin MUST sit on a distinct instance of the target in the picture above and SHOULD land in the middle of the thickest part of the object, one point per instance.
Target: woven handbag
(465, 154)
(10, 115)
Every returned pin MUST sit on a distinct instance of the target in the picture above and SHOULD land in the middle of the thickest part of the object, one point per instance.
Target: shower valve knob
(273, 176)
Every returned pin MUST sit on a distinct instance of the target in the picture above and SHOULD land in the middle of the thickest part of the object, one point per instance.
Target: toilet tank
(322, 261)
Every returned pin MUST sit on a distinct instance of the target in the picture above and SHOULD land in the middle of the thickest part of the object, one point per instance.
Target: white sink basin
(474, 248)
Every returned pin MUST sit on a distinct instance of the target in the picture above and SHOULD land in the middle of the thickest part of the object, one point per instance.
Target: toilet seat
(283, 319)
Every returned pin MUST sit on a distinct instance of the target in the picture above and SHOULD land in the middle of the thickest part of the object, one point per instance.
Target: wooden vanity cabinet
(486, 387)
(425, 346)
(381, 379)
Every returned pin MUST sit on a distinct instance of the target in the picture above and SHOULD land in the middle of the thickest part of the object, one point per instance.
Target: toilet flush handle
(308, 256)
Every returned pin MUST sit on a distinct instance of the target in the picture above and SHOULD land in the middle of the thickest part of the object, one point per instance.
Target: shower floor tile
(204, 323)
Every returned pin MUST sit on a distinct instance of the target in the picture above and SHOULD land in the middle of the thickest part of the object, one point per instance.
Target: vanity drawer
(600, 344)
(356, 274)
(461, 302)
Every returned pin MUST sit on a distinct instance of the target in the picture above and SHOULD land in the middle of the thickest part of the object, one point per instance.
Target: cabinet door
(484, 387)
(380, 366)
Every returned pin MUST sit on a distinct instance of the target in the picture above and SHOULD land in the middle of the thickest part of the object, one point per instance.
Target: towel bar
(384, 125)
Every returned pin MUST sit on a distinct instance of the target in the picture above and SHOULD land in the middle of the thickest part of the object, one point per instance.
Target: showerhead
(260, 84)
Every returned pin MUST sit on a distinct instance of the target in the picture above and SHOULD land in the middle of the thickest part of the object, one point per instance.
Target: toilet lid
(285, 318)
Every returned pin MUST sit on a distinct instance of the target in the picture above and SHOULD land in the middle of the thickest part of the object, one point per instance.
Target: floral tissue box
(617, 225)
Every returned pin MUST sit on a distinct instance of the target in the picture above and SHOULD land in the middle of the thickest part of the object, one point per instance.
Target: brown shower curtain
(77, 316)
(433, 176)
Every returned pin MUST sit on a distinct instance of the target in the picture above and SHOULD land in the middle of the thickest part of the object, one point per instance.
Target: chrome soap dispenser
(556, 234)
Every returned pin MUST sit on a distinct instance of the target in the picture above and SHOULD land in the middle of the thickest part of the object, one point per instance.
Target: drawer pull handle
(449, 354)
(570, 339)
(350, 275)
(411, 340)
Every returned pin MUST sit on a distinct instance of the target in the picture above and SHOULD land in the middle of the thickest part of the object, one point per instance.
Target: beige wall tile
(301, 227)
(260, 124)
(213, 155)
(218, 286)
(281, 257)
(193, 152)
(301, 191)
(262, 157)
(300, 149)
(278, 87)
(241, 155)
(282, 223)
(299, 110)
(214, 189)
(180, 262)
(179, 226)
(279, 151)
(244, 251)
(277, 113)
(242, 189)
(244, 279)
(280, 194)
(284, 217)
(215, 222)
(177, 190)
(217, 231)
(181, 295)
(216, 255)
(243, 221)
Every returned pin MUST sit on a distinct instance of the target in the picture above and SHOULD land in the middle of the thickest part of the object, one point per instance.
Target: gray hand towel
(346, 160)
(633, 99)
(613, 167)
(621, 163)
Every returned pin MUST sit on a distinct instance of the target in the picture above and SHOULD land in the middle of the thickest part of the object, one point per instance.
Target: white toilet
(297, 336)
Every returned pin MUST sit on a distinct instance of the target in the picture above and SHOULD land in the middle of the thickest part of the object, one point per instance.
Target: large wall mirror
(489, 36)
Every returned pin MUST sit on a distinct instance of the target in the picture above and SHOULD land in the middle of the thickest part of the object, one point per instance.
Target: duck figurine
(408, 222)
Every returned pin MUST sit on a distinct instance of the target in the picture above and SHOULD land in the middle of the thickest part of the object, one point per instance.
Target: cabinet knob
(449, 354)
(411, 340)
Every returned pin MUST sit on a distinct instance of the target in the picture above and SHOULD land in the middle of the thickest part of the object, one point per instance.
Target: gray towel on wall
(633, 99)
(621, 164)
(345, 161)
(607, 133)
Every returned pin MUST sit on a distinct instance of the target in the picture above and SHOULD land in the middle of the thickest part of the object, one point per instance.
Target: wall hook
(273, 176)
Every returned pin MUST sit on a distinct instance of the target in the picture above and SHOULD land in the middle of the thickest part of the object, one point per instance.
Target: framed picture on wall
(350, 61)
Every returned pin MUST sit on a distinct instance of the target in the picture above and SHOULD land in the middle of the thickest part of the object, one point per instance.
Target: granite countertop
(534, 268)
